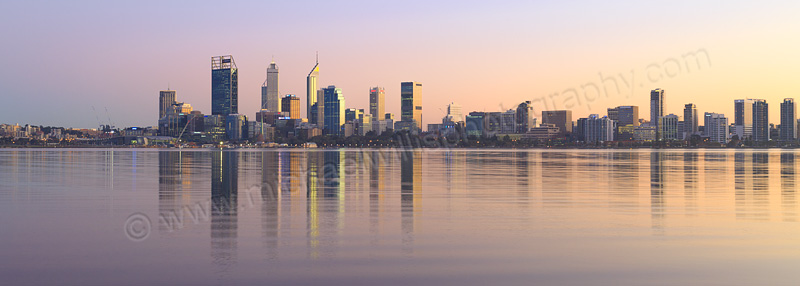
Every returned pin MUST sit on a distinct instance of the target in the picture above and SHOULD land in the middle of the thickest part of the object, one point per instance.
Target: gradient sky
(64, 57)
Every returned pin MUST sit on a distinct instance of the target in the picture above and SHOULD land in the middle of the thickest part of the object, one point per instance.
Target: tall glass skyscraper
(377, 101)
(760, 120)
(743, 118)
(270, 96)
(788, 120)
(656, 108)
(166, 98)
(224, 86)
(411, 102)
(311, 94)
(690, 120)
(334, 110)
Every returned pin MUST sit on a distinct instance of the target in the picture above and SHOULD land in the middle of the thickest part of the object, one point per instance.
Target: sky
(84, 63)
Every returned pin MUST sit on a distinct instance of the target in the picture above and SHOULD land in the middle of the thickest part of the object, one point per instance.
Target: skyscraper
(166, 98)
(690, 120)
(743, 118)
(716, 127)
(598, 129)
(760, 120)
(624, 115)
(224, 86)
(311, 94)
(561, 119)
(270, 96)
(668, 125)
(377, 101)
(334, 110)
(788, 120)
(290, 104)
(411, 102)
(656, 108)
(525, 120)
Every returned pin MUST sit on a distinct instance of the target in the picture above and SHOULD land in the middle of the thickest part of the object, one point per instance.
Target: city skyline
(514, 52)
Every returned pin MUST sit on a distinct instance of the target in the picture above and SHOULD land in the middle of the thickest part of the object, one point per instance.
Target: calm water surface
(349, 217)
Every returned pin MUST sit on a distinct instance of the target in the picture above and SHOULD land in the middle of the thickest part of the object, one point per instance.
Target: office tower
(690, 120)
(270, 96)
(166, 98)
(334, 110)
(236, 127)
(411, 102)
(716, 127)
(319, 108)
(743, 118)
(351, 114)
(788, 120)
(561, 119)
(454, 112)
(760, 120)
(597, 129)
(224, 86)
(475, 123)
(624, 115)
(290, 104)
(311, 94)
(377, 101)
(656, 107)
(668, 126)
(525, 120)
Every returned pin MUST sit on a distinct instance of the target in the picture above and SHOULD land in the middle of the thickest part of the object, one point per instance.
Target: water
(443, 217)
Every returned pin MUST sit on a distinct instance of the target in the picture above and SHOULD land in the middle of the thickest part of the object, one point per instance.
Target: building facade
(667, 127)
(788, 120)
(377, 101)
(690, 120)
(290, 104)
(311, 94)
(166, 98)
(760, 120)
(411, 102)
(334, 111)
(656, 108)
(270, 96)
(716, 127)
(561, 119)
(224, 86)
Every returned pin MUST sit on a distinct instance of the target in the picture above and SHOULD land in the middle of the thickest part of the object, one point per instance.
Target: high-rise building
(743, 118)
(788, 120)
(454, 113)
(760, 120)
(525, 120)
(377, 101)
(319, 108)
(690, 120)
(411, 102)
(597, 129)
(656, 108)
(334, 111)
(668, 126)
(475, 123)
(716, 127)
(224, 86)
(166, 98)
(290, 104)
(624, 115)
(270, 96)
(561, 119)
(311, 94)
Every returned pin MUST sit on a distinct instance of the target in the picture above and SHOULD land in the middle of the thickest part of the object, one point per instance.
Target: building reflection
(690, 181)
(788, 186)
(751, 171)
(410, 181)
(170, 202)
(224, 202)
(624, 180)
(657, 197)
(270, 201)
(715, 172)
(377, 174)
(325, 202)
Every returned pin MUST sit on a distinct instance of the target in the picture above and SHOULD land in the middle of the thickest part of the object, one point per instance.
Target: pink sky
(64, 58)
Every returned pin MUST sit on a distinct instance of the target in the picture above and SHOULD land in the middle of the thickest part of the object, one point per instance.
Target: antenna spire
(317, 56)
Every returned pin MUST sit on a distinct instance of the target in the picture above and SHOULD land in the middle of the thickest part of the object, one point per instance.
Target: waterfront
(389, 217)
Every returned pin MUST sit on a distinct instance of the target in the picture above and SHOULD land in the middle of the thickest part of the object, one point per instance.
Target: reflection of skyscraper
(224, 86)
(224, 202)
(788, 187)
(657, 204)
(169, 193)
(690, 181)
(410, 171)
(271, 200)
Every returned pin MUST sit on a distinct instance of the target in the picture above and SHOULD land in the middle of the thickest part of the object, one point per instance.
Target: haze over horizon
(64, 58)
